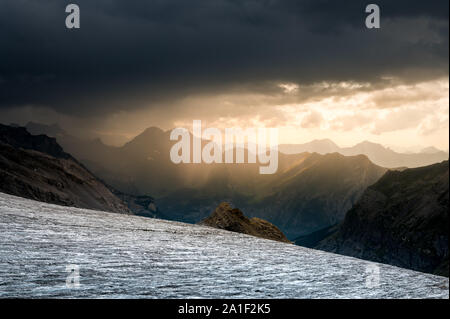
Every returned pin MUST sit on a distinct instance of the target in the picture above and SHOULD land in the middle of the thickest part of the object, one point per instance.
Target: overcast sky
(309, 67)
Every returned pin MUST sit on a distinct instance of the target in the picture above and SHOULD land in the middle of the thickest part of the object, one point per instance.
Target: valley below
(124, 256)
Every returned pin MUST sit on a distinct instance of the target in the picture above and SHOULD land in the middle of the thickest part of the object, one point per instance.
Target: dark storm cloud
(130, 54)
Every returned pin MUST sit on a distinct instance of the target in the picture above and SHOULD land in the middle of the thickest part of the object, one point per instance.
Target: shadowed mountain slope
(400, 220)
(36, 167)
(314, 193)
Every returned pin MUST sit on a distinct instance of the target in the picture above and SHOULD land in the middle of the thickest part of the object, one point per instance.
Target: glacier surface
(122, 256)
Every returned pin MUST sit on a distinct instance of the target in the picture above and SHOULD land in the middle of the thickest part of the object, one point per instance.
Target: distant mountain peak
(98, 140)
(430, 150)
(320, 146)
(150, 136)
(152, 130)
(19, 137)
(369, 143)
(52, 130)
(324, 141)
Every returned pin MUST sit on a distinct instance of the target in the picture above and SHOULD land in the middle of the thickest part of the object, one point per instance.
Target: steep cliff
(36, 167)
(400, 220)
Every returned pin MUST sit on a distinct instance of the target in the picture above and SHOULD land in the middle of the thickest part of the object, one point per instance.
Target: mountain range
(309, 191)
(342, 204)
(377, 153)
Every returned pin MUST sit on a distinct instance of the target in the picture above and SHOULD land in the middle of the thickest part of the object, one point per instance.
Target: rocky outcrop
(400, 220)
(36, 167)
(232, 219)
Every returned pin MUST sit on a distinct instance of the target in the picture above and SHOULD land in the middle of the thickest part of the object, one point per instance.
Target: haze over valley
(315, 185)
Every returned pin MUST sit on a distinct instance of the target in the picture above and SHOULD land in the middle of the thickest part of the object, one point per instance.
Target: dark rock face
(400, 220)
(19, 137)
(36, 167)
(232, 219)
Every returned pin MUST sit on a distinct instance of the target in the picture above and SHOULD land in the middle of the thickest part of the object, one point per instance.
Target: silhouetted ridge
(19, 137)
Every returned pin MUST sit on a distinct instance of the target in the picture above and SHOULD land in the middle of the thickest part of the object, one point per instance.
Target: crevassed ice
(127, 256)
